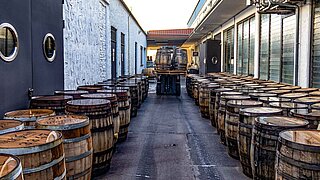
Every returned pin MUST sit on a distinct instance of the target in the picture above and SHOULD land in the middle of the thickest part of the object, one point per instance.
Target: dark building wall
(30, 69)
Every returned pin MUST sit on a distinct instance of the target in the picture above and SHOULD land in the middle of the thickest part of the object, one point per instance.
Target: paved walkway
(169, 140)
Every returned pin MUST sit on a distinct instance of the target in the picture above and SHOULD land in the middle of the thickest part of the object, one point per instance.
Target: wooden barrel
(279, 91)
(124, 111)
(267, 100)
(267, 89)
(257, 96)
(114, 108)
(8, 125)
(310, 100)
(232, 121)
(196, 90)
(55, 103)
(212, 99)
(222, 113)
(290, 88)
(276, 85)
(134, 91)
(40, 151)
(188, 84)
(10, 167)
(142, 87)
(139, 90)
(288, 106)
(100, 116)
(247, 91)
(204, 98)
(313, 116)
(269, 84)
(217, 93)
(29, 116)
(314, 93)
(305, 90)
(264, 142)
(298, 155)
(76, 94)
(246, 120)
(293, 96)
(90, 88)
(77, 142)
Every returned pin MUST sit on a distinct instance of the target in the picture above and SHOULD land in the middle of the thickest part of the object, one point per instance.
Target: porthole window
(49, 47)
(9, 44)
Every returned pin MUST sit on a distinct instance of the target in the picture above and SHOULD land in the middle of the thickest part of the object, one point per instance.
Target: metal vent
(276, 6)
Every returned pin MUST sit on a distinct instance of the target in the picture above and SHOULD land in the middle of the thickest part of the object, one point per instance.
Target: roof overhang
(223, 11)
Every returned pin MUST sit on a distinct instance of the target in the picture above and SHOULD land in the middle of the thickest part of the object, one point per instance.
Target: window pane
(229, 49)
(239, 57)
(316, 48)
(275, 47)
(245, 51)
(252, 45)
(264, 46)
(289, 27)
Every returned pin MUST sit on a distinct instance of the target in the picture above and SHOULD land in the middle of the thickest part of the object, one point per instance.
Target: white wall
(136, 35)
(87, 40)
(84, 50)
(305, 30)
(121, 19)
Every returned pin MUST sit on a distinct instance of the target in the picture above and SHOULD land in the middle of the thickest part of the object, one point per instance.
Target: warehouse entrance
(113, 52)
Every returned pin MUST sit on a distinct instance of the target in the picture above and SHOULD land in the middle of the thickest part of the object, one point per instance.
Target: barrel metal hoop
(81, 156)
(125, 126)
(231, 123)
(245, 125)
(17, 128)
(31, 119)
(124, 108)
(65, 128)
(245, 134)
(63, 175)
(31, 150)
(83, 173)
(94, 130)
(115, 115)
(103, 152)
(77, 139)
(301, 147)
(14, 174)
(304, 165)
(287, 176)
(43, 167)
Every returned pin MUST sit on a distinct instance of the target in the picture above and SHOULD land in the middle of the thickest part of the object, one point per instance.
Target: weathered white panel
(83, 42)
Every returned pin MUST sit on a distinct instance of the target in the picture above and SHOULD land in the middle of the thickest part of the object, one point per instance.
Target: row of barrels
(72, 134)
(270, 127)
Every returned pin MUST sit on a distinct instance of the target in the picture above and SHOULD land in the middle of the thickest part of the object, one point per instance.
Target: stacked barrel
(270, 127)
(71, 134)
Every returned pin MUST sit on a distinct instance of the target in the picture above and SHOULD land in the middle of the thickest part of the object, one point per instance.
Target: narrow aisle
(169, 140)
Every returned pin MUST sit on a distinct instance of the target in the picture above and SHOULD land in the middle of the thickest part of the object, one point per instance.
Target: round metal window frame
(13, 56)
(50, 59)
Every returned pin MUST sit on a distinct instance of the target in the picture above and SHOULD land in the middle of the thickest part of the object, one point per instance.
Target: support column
(257, 46)
(305, 44)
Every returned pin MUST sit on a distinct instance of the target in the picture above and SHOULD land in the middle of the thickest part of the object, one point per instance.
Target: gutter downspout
(129, 70)
(296, 60)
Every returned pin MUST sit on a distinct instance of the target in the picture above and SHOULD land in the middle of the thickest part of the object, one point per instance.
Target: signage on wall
(195, 54)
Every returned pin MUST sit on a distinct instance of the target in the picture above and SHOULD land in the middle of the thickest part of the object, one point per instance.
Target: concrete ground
(169, 140)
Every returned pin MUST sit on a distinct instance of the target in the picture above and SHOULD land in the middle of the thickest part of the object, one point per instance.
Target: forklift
(171, 63)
